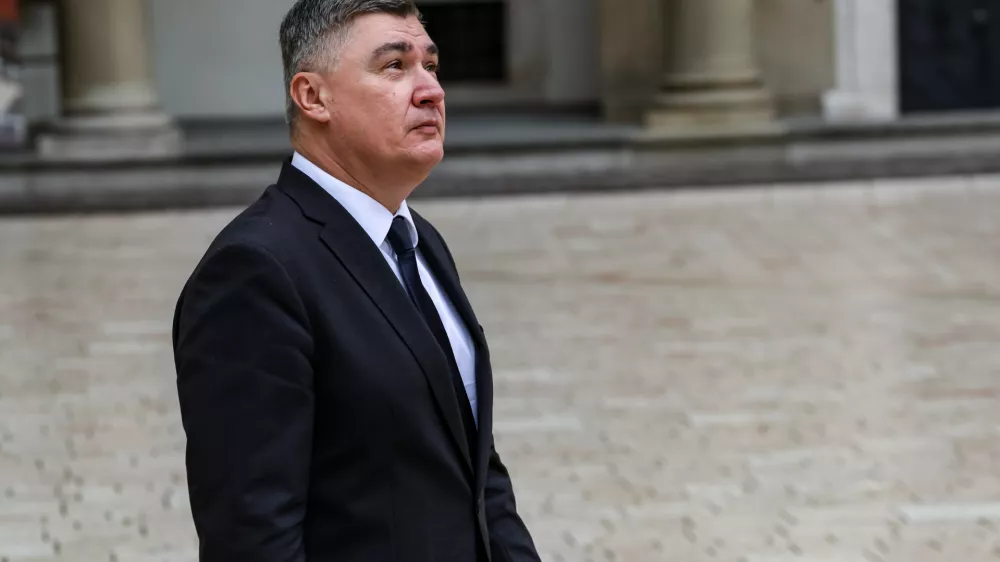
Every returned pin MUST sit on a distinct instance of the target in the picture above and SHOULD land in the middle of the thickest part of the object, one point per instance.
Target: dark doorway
(949, 54)
(472, 36)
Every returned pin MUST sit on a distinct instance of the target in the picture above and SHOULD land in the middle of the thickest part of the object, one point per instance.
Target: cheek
(401, 100)
(392, 110)
(378, 113)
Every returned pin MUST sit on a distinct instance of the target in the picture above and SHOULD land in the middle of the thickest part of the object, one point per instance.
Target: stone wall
(795, 43)
(631, 56)
(551, 48)
(562, 52)
(39, 50)
(795, 46)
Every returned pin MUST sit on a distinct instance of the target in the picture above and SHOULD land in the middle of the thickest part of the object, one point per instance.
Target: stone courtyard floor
(803, 373)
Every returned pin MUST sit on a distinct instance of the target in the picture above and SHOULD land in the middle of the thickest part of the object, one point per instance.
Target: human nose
(428, 90)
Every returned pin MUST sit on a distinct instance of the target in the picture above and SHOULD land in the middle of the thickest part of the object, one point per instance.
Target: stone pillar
(110, 107)
(867, 66)
(712, 82)
(631, 57)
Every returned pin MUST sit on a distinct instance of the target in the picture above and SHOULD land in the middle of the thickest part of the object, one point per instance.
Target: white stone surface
(776, 374)
(866, 62)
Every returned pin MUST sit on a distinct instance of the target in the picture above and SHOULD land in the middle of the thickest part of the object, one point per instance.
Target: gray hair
(312, 27)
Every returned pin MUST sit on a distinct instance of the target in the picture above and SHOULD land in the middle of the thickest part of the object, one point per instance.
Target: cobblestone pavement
(761, 375)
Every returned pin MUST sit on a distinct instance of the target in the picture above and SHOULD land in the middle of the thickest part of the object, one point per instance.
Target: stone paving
(759, 375)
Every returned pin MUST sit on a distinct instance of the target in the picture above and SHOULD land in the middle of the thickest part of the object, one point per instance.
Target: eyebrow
(400, 47)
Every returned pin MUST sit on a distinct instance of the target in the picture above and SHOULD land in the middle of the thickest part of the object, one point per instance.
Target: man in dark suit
(334, 383)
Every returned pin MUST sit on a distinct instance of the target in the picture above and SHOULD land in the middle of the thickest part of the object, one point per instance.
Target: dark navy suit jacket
(321, 421)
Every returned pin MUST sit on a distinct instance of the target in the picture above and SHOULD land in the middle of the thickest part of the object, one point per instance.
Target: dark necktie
(402, 244)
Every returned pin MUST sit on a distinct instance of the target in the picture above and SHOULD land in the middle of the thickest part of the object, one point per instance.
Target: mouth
(428, 126)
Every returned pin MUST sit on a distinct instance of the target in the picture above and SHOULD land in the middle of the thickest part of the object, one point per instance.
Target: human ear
(311, 94)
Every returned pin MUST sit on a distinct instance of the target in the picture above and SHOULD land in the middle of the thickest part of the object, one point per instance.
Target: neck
(353, 175)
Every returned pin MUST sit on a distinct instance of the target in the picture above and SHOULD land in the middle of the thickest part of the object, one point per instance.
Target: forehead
(370, 31)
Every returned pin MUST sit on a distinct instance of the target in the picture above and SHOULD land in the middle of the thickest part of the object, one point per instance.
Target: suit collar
(353, 247)
(314, 203)
(374, 218)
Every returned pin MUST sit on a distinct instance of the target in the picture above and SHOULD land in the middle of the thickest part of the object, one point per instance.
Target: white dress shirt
(376, 221)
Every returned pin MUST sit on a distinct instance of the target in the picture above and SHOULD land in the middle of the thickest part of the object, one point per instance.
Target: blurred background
(737, 261)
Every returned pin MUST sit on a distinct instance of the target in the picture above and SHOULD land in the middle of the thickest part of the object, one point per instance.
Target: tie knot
(399, 236)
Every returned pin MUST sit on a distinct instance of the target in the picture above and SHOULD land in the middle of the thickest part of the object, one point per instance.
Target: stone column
(631, 61)
(712, 82)
(110, 107)
(867, 67)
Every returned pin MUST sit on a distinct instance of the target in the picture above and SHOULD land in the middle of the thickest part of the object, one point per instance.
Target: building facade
(685, 66)
(11, 121)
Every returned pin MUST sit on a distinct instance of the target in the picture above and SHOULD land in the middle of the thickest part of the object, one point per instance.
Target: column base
(843, 106)
(698, 111)
(111, 137)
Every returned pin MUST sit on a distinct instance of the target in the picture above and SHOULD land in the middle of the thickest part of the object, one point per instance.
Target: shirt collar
(369, 213)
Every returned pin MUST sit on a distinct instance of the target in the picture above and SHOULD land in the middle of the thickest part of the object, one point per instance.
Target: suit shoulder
(271, 223)
(270, 230)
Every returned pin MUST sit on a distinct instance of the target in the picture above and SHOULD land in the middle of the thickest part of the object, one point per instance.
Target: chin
(428, 155)
(416, 167)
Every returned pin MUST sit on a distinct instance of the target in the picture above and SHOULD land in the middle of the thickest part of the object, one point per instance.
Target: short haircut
(312, 28)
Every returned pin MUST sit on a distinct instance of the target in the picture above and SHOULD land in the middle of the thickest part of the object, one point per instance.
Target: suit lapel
(436, 255)
(364, 261)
